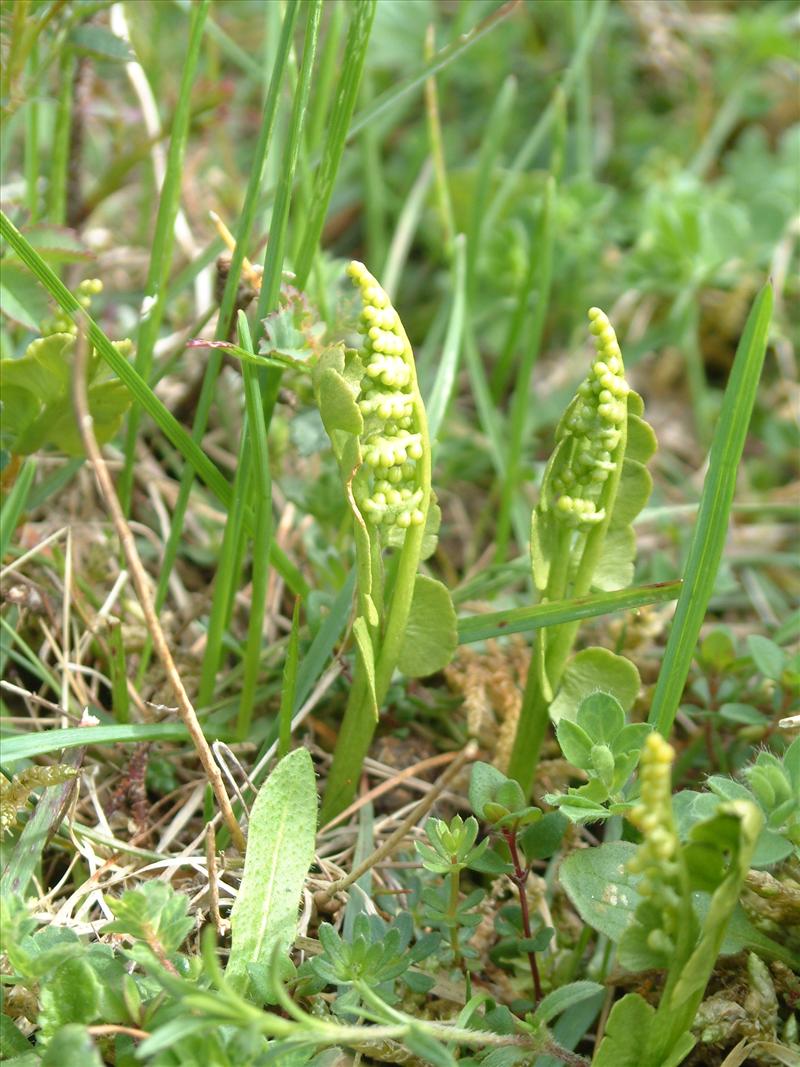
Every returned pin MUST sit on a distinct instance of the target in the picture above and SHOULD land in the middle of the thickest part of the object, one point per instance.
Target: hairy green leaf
(591, 671)
(280, 849)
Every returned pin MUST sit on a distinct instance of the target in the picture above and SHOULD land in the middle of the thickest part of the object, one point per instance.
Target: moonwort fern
(372, 410)
(594, 485)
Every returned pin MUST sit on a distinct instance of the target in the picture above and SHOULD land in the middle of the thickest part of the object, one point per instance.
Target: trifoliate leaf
(602, 717)
(575, 743)
(591, 671)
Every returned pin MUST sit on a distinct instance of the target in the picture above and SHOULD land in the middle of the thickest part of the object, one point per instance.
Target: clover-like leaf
(591, 671)
(602, 717)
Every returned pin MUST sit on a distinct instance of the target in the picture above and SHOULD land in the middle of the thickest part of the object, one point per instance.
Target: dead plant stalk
(140, 582)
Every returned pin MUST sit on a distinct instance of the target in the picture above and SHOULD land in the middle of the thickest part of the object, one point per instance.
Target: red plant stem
(520, 878)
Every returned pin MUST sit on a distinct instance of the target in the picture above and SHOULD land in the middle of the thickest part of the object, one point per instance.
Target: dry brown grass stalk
(141, 584)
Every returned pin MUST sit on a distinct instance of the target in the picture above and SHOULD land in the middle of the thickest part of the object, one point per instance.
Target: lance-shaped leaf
(280, 848)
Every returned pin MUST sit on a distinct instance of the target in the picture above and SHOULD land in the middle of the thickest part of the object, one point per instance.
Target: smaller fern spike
(595, 422)
(15, 793)
(61, 321)
(657, 858)
(395, 488)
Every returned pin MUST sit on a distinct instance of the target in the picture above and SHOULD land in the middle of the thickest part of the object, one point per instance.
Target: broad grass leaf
(591, 671)
(431, 633)
(280, 849)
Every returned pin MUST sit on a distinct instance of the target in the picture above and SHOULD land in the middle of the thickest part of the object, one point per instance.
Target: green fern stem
(579, 491)
(387, 345)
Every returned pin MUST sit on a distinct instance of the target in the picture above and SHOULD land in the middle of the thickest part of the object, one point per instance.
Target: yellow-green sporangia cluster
(656, 859)
(14, 794)
(61, 321)
(594, 421)
(391, 443)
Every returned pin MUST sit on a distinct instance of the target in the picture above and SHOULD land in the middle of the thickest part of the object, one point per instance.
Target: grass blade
(228, 569)
(261, 491)
(40, 827)
(347, 92)
(273, 259)
(533, 141)
(154, 302)
(496, 130)
(289, 690)
(268, 300)
(442, 59)
(521, 620)
(243, 231)
(59, 163)
(710, 531)
(26, 746)
(175, 433)
(14, 505)
(141, 392)
(445, 379)
(542, 253)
